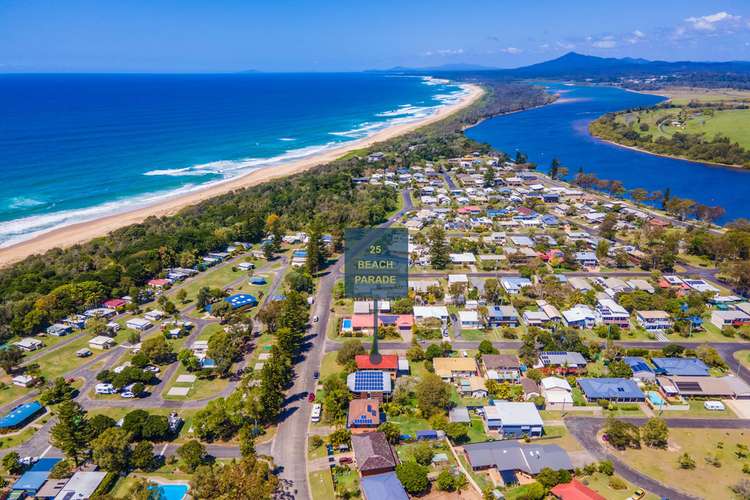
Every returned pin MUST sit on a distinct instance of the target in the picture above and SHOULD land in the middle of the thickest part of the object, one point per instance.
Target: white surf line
(45, 451)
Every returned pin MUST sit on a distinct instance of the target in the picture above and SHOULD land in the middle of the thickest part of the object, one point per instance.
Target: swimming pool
(656, 399)
(346, 324)
(172, 491)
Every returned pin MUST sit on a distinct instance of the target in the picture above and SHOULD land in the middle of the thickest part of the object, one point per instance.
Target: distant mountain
(435, 69)
(575, 65)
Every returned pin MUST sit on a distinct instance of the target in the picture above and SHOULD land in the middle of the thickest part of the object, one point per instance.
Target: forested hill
(45, 288)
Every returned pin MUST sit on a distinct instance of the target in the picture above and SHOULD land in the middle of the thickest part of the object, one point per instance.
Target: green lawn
(218, 277)
(698, 411)
(743, 357)
(600, 483)
(321, 485)
(347, 479)
(410, 425)
(705, 480)
(118, 412)
(476, 430)
(329, 365)
(202, 388)
(10, 441)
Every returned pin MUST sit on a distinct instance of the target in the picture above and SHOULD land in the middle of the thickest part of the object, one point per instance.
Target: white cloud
(635, 37)
(566, 45)
(711, 21)
(511, 50)
(607, 42)
(444, 52)
(639, 34)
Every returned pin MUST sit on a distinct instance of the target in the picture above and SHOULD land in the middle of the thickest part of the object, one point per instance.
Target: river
(561, 130)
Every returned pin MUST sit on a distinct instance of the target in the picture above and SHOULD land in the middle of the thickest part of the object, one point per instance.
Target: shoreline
(81, 232)
(662, 155)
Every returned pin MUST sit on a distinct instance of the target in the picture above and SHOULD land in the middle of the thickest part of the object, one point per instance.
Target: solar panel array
(368, 419)
(688, 386)
(368, 381)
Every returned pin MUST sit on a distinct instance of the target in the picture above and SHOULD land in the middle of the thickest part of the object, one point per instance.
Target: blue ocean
(77, 147)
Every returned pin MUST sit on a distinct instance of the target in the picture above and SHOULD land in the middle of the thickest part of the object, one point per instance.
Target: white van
(714, 405)
(105, 389)
(315, 415)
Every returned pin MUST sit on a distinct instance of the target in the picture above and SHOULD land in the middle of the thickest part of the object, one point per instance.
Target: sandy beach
(81, 232)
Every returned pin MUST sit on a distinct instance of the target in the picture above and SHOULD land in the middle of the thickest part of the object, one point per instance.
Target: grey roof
(459, 414)
(372, 451)
(496, 361)
(562, 358)
(510, 455)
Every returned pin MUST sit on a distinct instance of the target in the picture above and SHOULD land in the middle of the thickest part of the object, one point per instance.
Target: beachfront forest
(43, 289)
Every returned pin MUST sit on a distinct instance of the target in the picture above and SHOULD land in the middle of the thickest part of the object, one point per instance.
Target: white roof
(81, 485)
(548, 383)
(458, 278)
(138, 322)
(468, 316)
(579, 312)
(101, 340)
(462, 257)
(558, 397)
(430, 312)
(512, 414)
(613, 306)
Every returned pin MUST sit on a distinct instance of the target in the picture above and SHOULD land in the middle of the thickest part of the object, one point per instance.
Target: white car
(152, 369)
(28, 460)
(127, 395)
(315, 319)
(105, 389)
(315, 415)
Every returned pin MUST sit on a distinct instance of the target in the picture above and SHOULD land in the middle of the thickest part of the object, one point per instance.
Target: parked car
(345, 460)
(152, 369)
(105, 389)
(127, 395)
(316, 375)
(638, 494)
(316, 319)
(315, 415)
(311, 397)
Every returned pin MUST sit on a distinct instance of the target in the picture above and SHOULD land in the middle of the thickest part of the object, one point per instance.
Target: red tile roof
(387, 362)
(575, 490)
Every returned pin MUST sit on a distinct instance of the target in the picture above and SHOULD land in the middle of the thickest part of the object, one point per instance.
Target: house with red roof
(114, 303)
(388, 363)
(159, 283)
(365, 323)
(575, 490)
(469, 210)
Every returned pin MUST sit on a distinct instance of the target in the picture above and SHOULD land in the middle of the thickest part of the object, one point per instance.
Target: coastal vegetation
(710, 128)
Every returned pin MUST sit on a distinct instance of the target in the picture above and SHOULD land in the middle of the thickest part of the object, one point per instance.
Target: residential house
(620, 390)
(373, 453)
(535, 318)
(501, 367)
(580, 316)
(514, 419)
(138, 324)
(515, 461)
(502, 316)
(732, 317)
(387, 363)
(642, 372)
(473, 387)
(451, 369)
(727, 387)
(101, 342)
(654, 321)
(586, 259)
(372, 384)
(469, 320)
(574, 490)
(383, 487)
(513, 285)
(609, 312)
(29, 344)
(530, 389)
(422, 313)
(690, 367)
(561, 362)
(364, 415)
(557, 392)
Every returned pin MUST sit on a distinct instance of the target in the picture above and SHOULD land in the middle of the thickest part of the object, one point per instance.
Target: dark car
(311, 397)
(316, 375)
(345, 460)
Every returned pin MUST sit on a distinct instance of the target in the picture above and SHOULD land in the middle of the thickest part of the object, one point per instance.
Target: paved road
(585, 430)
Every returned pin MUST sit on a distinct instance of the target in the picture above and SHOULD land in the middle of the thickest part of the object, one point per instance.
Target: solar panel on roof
(366, 381)
(688, 386)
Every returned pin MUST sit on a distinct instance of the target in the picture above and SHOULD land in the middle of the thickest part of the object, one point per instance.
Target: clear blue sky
(350, 35)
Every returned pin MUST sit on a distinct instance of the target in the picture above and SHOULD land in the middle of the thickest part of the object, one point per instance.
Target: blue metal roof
(383, 487)
(241, 300)
(31, 481)
(692, 367)
(20, 414)
(637, 364)
(44, 464)
(427, 434)
(610, 388)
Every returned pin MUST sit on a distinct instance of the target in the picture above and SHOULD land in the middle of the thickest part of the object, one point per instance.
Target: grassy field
(321, 485)
(600, 483)
(683, 95)
(732, 123)
(743, 357)
(410, 425)
(705, 480)
(329, 365)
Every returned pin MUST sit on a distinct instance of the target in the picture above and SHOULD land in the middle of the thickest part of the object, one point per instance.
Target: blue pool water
(560, 131)
(346, 324)
(78, 147)
(655, 398)
(172, 491)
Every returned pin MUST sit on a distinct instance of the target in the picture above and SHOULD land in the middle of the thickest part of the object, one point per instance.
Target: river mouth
(561, 131)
